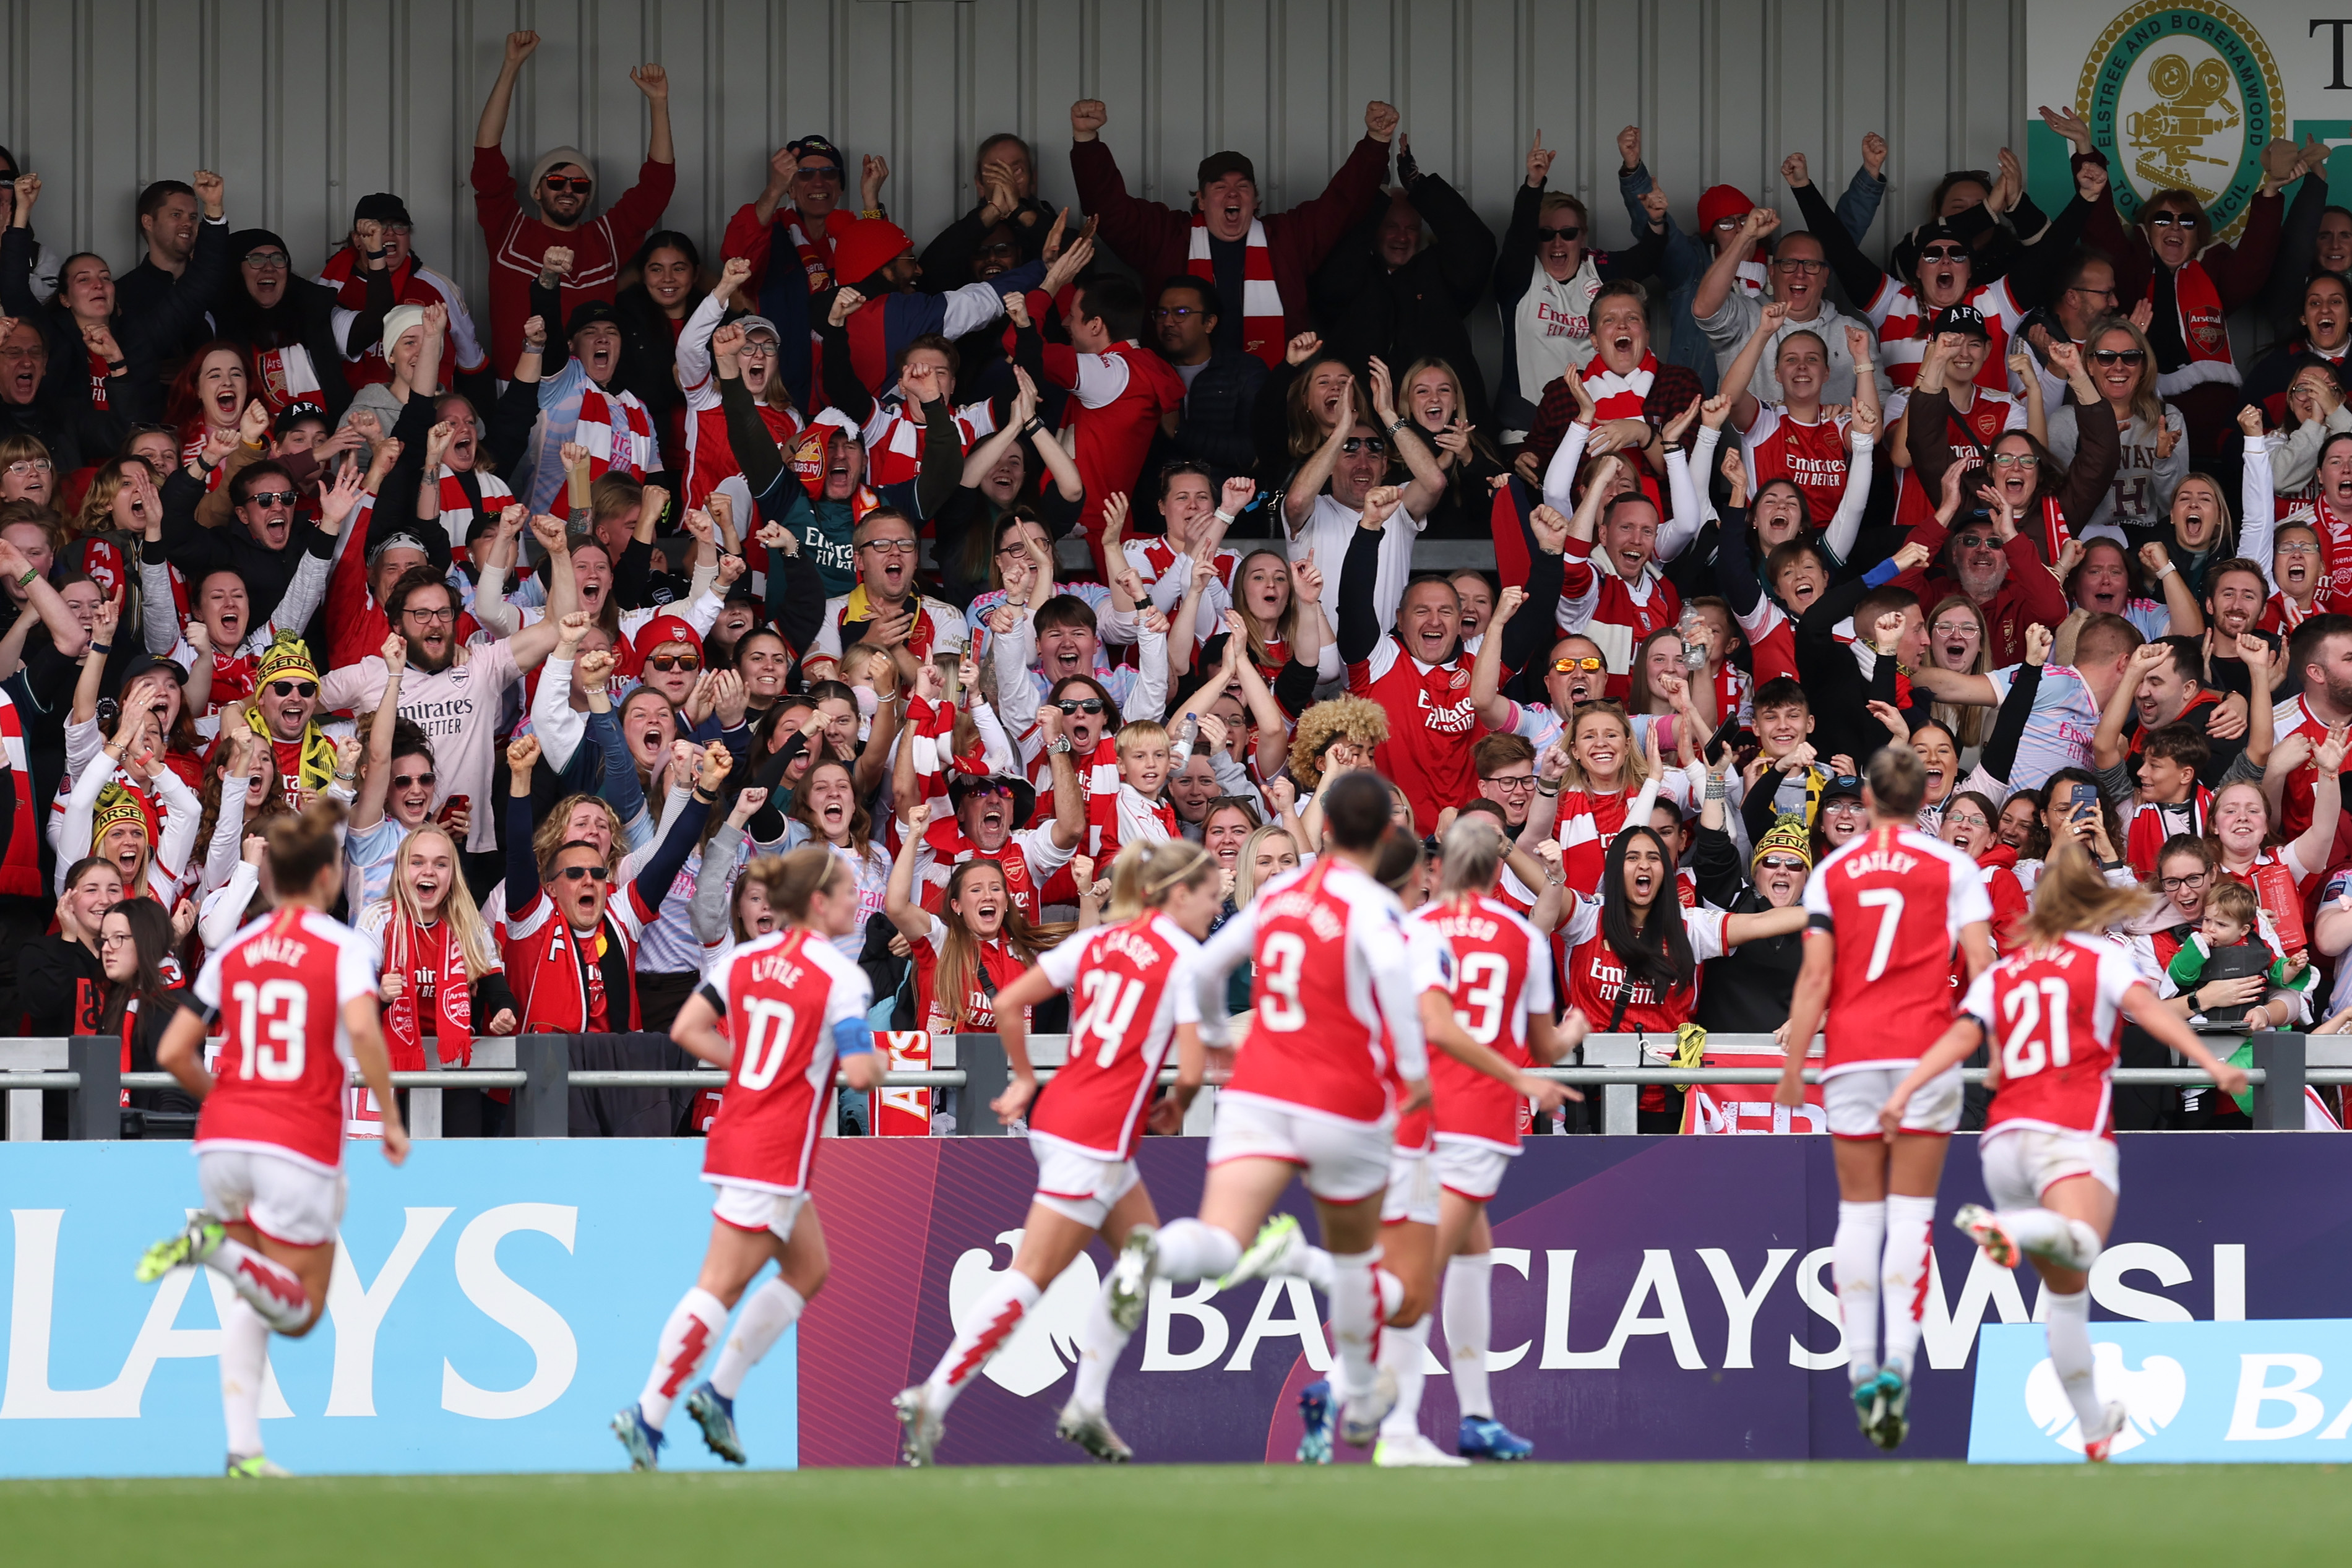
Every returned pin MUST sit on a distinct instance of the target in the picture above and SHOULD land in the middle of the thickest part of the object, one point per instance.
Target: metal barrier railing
(538, 1070)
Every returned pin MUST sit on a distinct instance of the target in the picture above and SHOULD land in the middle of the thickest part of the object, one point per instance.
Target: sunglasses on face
(817, 171)
(1003, 247)
(413, 781)
(303, 689)
(564, 183)
(1570, 666)
(1944, 253)
(665, 662)
(1080, 705)
(2170, 220)
(2120, 356)
(1795, 867)
(1355, 443)
(1546, 236)
(272, 498)
(593, 873)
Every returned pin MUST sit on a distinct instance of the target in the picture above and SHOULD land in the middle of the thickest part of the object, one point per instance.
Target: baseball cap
(382, 207)
(1217, 165)
(1961, 318)
(1840, 786)
(751, 324)
(587, 314)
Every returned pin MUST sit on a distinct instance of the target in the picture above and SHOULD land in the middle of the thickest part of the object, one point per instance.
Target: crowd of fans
(681, 558)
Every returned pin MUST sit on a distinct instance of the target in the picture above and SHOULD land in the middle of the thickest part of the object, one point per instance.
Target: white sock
(993, 1322)
(2070, 1354)
(243, 1363)
(697, 1323)
(1402, 1351)
(1191, 1251)
(772, 1309)
(272, 1289)
(1355, 1318)
(1313, 1264)
(1469, 1325)
(1099, 1350)
(1388, 1293)
(1854, 1260)
(2048, 1234)
(1903, 1281)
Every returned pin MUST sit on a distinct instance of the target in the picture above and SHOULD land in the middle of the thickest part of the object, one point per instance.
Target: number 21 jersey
(278, 987)
(1896, 901)
(2054, 1018)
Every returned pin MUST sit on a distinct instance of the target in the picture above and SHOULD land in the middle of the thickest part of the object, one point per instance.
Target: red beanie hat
(865, 247)
(1720, 202)
(653, 634)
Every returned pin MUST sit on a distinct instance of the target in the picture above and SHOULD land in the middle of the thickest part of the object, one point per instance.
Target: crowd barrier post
(543, 1106)
(94, 1110)
(986, 1072)
(1620, 1102)
(2278, 1098)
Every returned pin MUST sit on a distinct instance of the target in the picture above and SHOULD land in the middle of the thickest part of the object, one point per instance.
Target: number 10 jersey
(278, 987)
(1896, 901)
(778, 999)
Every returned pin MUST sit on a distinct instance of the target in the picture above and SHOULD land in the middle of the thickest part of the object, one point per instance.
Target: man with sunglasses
(1322, 522)
(563, 187)
(1260, 259)
(799, 215)
(270, 547)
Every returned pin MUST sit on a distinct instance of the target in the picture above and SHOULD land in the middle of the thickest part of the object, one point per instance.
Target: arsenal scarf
(410, 950)
(2204, 328)
(1618, 397)
(1261, 300)
(314, 752)
(20, 863)
(618, 435)
(858, 607)
(2143, 839)
(808, 467)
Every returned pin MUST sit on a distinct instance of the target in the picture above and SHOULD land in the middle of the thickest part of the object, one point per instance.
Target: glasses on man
(272, 498)
(1176, 312)
(889, 546)
(267, 260)
(566, 182)
(1803, 264)
(1515, 782)
(414, 781)
(302, 689)
(2297, 547)
(445, 612)
(2120, 356)
(1588, 663)
(1546, 236)
(665, 662)
(2093, 293)
(2189, 884)
(590, 873)
(817, 171)
(1355, 443)
(1001, 250)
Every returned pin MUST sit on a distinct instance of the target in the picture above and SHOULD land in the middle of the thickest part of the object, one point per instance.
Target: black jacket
(1213, 426)
(1416, 310)
(195, 549)
(148, 331)
(303, 318)
(649, 364)
(1746, 991)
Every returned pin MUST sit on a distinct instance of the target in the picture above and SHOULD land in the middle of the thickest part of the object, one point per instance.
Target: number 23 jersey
(2054, 1017)
(278, 987)
(1896, 901)
(1123, 1017)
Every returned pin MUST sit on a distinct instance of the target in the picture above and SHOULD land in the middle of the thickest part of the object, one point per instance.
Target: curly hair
(1339, 718)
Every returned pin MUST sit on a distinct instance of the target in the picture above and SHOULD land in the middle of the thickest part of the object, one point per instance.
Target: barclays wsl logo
(2183, 97)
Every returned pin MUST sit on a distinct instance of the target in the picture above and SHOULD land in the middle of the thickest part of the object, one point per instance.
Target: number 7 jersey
(278, 987)
(1896, 901)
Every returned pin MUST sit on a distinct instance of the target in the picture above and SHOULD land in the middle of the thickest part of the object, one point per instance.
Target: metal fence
(539, 1072)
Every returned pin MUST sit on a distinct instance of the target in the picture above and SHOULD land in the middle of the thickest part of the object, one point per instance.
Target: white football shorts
(1470, 1167)
(1340, 1161)
(1412, 1189)
(285, 1201)
(1078, 1185)
(2020, 1163)
(756, 1208)
(1852, 1101)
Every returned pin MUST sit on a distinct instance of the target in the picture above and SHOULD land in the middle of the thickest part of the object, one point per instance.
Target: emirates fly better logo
(2183, 97)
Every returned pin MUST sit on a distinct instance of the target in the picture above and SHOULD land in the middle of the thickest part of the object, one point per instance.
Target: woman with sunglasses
(2152, 436)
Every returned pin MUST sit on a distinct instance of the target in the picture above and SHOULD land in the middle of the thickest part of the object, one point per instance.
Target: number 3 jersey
(777, 1000)
(2055, 1019)
(1895, 900)
(278, 988)
(1124, 1014)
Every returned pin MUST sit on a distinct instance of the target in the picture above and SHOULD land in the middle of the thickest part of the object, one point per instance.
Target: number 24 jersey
(1123, 1015)
(1896, 901)
(279, 987)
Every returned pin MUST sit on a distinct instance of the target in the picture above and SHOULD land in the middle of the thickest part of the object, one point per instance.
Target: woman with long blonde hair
(2055, 1008)
(2152, 433)
(440, 963)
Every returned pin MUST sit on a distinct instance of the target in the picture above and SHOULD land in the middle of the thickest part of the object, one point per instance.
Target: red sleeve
(1310, 229)
(2104, 230)
(2038, 594)
(1576, 568)
(494, 192)
(1930, 536)
(2239, 271)
(1143, 233)
(640, 207)
(347, 595)
(748, 237)
(1061, 363)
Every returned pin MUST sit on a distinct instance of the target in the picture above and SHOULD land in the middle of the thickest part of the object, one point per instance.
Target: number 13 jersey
(1895, 900)
(278, 987)
(1123, 1014)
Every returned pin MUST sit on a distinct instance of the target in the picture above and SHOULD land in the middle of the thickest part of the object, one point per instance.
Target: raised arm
(913, 920)
(375, 773)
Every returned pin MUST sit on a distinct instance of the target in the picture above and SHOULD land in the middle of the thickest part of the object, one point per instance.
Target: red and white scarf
(2143, 839)
(618, 435)
(1099, 777)
(1261, 300)
(931, 731)
(895, 440)
(1618, 397)
(457, 509)
(285, 376)
(413, 952)
(20, 861)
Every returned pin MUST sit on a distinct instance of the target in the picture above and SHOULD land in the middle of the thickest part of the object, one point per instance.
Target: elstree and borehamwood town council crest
(2183, 96)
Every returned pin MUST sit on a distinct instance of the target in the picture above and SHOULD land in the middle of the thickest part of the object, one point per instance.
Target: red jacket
(1153, 238)
(518, 241)
(2027, 595)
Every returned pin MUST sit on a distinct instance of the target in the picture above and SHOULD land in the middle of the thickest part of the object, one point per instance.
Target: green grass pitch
(1719, 1515)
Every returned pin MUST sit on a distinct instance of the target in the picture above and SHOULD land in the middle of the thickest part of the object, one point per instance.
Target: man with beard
(1261, 260)
(1414, 671)
(267, 545)
(2235, 593)
(563, 186)
(1729, 315)
(1211, 425)
(452, 689)
(74, 432)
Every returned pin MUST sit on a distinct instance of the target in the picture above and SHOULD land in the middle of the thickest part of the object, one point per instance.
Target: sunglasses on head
(2120, 356)
(1546, 236)
(1570, 666)
(1080, 704)
(272, 498)
(566, 182)
(411, 781)
(665, 662)
(294, 688)
(1355, 443)
(593, 873)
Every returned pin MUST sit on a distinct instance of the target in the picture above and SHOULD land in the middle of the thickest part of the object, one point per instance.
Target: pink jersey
(1124, 1014)
(1895, 900)
(1502, 972)
(1813, 456)
(279, 987)
(2055, 1017)
(1334, 1021)
(779, 997)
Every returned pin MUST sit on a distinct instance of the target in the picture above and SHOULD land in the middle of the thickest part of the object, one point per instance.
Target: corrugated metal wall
(305, 105)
